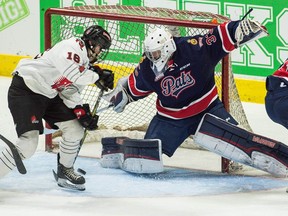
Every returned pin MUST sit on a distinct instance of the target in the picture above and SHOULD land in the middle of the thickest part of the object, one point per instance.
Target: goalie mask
(159, 47)
(97, 41)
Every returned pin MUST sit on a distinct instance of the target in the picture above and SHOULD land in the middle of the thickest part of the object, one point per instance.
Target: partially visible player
(48, 87)
(180, 70)
(276, 100)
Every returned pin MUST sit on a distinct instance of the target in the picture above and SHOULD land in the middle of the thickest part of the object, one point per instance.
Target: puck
(83, 172)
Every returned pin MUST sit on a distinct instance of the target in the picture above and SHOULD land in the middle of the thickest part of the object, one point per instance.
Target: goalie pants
(172, 133)
(28, 108)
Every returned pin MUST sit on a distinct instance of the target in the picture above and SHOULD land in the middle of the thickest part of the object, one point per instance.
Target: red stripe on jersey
(192, 109)
(133, 89)
(283, 70)
(227, 42)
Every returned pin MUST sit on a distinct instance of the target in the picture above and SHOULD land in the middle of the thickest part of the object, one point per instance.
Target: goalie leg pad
(241, 146)
(112, 152)
(142, 156)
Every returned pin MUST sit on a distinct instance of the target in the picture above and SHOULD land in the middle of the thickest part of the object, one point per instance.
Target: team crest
(192, 41)
(34, 120)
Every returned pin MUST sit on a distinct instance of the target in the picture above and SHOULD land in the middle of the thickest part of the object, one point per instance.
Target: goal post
(128, 26)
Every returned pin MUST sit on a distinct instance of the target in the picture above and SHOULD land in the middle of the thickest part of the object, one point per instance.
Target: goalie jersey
(276, 102)
(62, 70)
(188, 86)
(278, 81)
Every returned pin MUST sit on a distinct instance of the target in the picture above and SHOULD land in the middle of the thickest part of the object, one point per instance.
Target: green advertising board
(259, 58)
(11, 11)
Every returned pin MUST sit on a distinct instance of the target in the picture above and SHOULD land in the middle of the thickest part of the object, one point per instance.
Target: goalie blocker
(132, 155)
(241, 146)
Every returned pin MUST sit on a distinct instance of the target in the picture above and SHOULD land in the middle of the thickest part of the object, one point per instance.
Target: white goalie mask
(159, 47)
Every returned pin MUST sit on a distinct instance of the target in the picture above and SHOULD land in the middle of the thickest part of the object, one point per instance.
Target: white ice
(192, 183)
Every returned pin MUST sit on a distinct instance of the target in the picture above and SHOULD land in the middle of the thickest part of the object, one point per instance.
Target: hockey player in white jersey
(48, 87)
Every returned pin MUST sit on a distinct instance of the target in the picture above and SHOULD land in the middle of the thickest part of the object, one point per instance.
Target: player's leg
(163, 136)
(142, 156)
(26, 108)
(59, 115)
(72, 133)
(239, 145)
(26, 145)
(112, 155)
(132, 155)
(219, 111)
(172, 133)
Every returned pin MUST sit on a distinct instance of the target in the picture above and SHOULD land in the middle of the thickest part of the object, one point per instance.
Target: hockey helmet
(159, 47)
(96, 36)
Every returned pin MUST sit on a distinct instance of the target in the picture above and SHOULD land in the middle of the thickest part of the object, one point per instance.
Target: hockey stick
(18, 161)
(104, 108)
(93, 113)
(250, 10)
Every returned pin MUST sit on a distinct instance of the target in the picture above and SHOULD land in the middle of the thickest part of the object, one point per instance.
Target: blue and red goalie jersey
(188, 86)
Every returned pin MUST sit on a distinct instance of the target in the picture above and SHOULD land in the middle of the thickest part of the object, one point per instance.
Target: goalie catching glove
(119, 97)
(249, 30)
(85, 117)
(106, 78)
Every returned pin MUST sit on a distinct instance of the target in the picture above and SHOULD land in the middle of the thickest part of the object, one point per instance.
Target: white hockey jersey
(62, 70)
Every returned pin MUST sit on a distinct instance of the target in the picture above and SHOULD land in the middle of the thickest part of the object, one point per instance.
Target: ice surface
(190, 185)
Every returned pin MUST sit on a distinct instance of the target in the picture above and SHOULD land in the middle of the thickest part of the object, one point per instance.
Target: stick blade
(18, 160)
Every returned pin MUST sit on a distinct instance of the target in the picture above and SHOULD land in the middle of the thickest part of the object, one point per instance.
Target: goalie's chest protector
(187, 87)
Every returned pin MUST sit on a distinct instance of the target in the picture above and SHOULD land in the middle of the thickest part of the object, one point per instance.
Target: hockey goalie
(180, 70)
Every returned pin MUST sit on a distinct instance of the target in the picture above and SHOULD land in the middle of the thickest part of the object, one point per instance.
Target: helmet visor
(153, 56)
(103, 42)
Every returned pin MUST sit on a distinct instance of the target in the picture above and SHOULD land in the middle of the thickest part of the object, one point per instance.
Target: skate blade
(64, 183)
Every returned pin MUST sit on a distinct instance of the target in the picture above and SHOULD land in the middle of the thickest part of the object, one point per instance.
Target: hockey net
(128, 26)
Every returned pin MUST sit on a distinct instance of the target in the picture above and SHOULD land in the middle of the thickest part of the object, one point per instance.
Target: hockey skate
(68, 178)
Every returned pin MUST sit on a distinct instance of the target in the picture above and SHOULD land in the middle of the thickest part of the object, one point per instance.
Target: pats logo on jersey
(173, 86)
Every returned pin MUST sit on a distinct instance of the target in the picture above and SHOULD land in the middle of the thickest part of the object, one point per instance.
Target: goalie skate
(69, 179)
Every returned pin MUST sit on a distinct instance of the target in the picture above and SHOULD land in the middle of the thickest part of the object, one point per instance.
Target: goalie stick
(18, 161)
(250, 10)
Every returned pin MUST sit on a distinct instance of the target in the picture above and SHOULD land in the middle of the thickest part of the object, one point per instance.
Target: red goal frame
(84, 11)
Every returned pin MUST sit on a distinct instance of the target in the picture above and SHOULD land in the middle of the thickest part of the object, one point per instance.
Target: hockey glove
(85, 118)
(249, 30)
(106, 78)
(119, 97)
